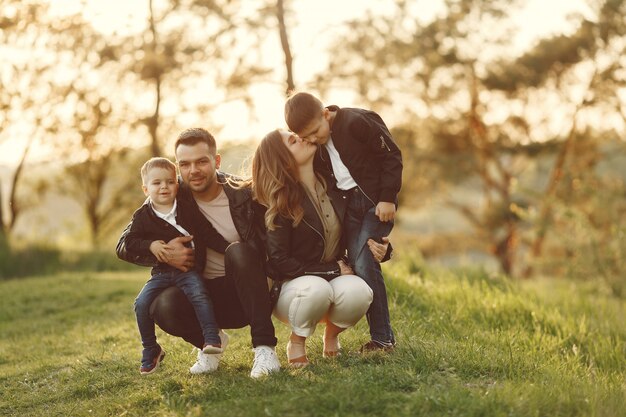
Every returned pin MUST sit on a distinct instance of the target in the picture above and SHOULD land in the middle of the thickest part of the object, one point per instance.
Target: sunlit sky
(310, 31)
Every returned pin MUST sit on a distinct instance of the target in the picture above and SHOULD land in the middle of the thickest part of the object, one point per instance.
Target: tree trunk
(3, 230)
(14, 207)
(153, 121)
(545, 214)
(284, 41)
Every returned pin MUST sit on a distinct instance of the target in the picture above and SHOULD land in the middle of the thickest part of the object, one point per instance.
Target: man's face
(318, 130)
(197, 166)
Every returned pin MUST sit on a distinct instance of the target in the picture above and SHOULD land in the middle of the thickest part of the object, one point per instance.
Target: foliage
(478, 112)
(43, 261)
(469, 344)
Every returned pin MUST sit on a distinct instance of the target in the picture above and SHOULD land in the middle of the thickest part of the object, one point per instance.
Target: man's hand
(378, 249)
(178, 255)
(344, 268)
(385, 211)
(159, 249)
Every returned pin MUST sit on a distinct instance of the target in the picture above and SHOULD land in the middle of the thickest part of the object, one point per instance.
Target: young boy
(360, 157)
(161, 218)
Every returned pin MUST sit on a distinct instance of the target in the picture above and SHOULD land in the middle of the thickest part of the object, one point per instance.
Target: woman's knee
(352, 298)
(352, 287)
(304, 301)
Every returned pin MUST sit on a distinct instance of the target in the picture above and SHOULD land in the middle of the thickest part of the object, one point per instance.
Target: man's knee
(241, 254)
(167, 302)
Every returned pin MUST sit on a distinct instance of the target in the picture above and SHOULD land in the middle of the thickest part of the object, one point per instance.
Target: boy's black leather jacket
(242, 208)
(368, 151)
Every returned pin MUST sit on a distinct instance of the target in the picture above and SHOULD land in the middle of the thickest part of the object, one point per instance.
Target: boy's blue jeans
(191, 284)
(361, 224)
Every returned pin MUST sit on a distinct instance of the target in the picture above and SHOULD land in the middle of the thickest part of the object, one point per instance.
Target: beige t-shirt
(217, 212)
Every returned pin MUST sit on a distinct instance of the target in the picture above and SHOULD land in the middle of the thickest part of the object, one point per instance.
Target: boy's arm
(131, 247)
(372, 131)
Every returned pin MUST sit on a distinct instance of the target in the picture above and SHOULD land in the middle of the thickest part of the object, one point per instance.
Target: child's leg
(358, 230)
(195, 290)
(155, 285)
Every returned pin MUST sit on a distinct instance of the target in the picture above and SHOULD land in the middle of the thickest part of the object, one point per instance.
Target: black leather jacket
(293, 252)
(243, 209)
(368, 151)
(146, 227)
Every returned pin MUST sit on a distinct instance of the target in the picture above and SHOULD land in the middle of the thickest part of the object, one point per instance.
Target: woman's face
(302, 151)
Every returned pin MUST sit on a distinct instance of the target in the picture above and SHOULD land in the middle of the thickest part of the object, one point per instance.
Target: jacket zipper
(368, 197)
(324, 240)
(316, 231)
(383, 144)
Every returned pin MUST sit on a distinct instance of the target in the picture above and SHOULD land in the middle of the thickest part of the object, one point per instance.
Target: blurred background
(511, 116)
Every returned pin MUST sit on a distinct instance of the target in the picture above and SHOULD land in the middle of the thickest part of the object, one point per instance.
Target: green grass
(469, 345)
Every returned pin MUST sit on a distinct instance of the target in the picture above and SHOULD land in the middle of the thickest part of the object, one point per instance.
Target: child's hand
(159, 249)
(385, 211)
(379, 250)
(344, 268)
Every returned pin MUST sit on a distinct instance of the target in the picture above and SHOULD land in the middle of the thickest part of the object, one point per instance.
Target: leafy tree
(191, 57)
(488, 112)
(25, 99)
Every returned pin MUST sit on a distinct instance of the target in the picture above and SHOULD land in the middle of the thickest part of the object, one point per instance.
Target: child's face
(318, 130)
(161, 186)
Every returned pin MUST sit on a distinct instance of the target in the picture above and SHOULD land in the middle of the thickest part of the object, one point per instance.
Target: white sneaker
(207, 363)
(265, 361)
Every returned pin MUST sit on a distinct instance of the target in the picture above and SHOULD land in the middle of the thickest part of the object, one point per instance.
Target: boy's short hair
(196, 135)
(156, 162)
(301, 109)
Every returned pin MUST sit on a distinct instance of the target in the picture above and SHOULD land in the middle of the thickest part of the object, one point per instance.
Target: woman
(304, 245)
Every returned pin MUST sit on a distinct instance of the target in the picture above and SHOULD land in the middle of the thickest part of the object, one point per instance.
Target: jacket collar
(236, 196)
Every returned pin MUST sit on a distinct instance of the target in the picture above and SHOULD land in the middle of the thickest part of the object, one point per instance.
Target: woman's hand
(378, 249)
(344, 268)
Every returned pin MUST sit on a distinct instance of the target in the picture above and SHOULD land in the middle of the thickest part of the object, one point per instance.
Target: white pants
(309, 299)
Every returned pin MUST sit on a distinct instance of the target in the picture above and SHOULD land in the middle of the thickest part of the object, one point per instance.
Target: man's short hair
(301, 109)
(156, 162)
(196, 135)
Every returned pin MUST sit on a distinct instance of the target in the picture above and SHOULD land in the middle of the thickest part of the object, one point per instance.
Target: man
(236, 281)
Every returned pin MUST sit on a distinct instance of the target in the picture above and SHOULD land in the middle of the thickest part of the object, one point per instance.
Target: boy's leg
(155, 285)
(361, 224)
(195, 290)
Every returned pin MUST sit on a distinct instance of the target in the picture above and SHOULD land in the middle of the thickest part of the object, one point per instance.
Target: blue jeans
(361, 223)
(191, 284)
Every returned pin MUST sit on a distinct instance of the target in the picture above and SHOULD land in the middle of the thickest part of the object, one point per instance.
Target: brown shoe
(376, 346)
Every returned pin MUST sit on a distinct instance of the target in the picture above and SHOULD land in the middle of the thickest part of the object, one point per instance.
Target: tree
(480, 102)
(25, 99)
(192, 57)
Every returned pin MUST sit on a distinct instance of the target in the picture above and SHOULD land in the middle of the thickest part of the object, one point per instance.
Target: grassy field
(469, 345)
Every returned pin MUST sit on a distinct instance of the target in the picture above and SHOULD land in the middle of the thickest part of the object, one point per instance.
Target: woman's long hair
(275, 180)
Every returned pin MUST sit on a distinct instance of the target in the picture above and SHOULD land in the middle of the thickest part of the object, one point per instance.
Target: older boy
(161, 218)
(361, 158)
